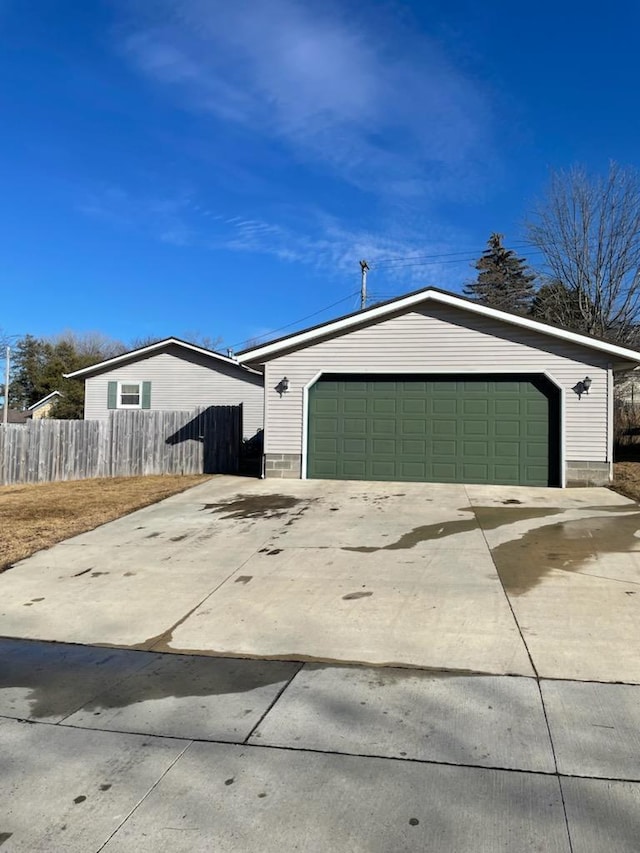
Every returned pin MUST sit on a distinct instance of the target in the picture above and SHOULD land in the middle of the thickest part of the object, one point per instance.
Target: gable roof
(150, 349)
(44, 400)
(299, 340)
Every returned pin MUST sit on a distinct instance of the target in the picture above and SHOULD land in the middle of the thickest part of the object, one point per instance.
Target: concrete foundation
(283, 465)
(588, 473)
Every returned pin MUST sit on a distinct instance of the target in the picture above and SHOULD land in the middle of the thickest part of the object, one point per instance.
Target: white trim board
(405, 303)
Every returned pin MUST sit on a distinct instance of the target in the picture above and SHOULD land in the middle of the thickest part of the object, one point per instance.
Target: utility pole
(364, 267)
(5, 411)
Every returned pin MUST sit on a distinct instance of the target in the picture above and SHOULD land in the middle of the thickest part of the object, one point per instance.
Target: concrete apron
(378, 573)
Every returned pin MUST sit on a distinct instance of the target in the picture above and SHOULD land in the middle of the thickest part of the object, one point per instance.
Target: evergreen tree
(38, 365)
(504, 280)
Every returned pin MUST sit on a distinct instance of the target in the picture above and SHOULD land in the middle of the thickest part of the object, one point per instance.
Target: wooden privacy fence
(204, 441)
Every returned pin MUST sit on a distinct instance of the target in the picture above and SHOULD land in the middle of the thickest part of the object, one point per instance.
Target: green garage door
(434, 429)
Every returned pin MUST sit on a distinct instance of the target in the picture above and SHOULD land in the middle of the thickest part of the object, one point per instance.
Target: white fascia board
(406, 302)
(136, 353)
(44, 400)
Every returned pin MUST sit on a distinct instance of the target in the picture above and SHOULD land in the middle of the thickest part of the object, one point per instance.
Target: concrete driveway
(481, 579)
(505, 610)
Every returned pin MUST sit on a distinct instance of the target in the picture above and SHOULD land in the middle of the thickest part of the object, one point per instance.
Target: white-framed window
(129, 395)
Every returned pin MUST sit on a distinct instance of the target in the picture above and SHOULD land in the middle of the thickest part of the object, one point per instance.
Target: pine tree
(504, 281)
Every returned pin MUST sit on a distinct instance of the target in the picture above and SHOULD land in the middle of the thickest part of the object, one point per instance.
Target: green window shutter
(146, 395)
(112, 395)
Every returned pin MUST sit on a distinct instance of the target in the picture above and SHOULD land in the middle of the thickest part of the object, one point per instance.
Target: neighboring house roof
(150, 349)
(44, 400)
(16, 417)
(299, 340)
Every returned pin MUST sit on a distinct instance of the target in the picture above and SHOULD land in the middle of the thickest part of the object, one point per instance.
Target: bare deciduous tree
(588, 227)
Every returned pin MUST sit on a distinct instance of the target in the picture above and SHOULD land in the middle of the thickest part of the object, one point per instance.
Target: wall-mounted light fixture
(582, 387)
(283, 386)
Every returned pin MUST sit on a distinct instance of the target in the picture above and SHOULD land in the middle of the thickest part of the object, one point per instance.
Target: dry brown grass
(626, 479)
(37, 516)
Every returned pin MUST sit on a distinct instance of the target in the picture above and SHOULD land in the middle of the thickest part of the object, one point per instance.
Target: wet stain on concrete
(128, 574)
(60, 684)
(151, 535)
(254, 506)
(243, 579)
(494, 517)
(566, 546)
(80, 799)
(353, 595)
(104, 787)
(179, 538)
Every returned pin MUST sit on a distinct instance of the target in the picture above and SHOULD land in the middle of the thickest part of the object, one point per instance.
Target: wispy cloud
(312, 238)
(364, 96)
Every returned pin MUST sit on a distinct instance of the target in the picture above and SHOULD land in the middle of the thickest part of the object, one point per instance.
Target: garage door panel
(327, 425)
(507, 473)
(414, 407)
(354, 445)
(443, 427)
(383, 426)
(327, 407)
(507, 449)
(355, 406)
(474, 473)
(507, 407)
(475, 407)
(475, 448)
(325, 445)
(381, 446)
(507, 429)
(414, 427)
(412, 446)
(384, 469)
(444, 472)
(443, 407)
(354, 468)
(353, 426)
(440, 430)
(443, 448)
(383, 407)
(475, 427)
(326, 468)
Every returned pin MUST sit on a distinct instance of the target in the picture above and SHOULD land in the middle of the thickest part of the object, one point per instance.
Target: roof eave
(129, 356)
(297, 341)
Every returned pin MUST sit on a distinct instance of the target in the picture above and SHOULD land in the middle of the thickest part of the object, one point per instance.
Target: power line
(301, 320)
(518, 246)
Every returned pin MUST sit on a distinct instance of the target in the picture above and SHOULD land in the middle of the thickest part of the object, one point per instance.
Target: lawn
(626, 479)
(39, 515)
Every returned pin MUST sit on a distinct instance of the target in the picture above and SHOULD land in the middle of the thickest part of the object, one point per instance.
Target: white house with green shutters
(172, 375)
(433, 387)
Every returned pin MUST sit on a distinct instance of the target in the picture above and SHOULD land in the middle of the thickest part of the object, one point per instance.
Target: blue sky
(205, 167)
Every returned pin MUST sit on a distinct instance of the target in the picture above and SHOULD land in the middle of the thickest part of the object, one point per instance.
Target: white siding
(180, 381)
(440, 339)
